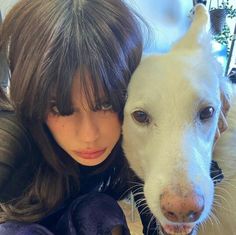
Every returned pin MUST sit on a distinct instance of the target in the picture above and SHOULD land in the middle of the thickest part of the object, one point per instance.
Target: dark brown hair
(5, 103)
(47, 41)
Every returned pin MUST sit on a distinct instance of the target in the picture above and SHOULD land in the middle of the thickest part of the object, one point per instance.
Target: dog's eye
(141, 117)
(206, 113)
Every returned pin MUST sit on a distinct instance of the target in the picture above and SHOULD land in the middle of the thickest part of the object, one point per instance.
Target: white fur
(224, 220)
(175, 148)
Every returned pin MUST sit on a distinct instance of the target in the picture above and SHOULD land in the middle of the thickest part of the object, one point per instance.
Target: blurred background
(169, 20)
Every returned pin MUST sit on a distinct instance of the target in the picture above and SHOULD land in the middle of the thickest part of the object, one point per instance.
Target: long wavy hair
(5, 103)
(47, 41)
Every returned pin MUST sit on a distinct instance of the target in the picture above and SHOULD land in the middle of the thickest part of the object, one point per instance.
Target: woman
(70, 63)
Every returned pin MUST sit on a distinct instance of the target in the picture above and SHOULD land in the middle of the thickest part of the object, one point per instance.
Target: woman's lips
(90, 154)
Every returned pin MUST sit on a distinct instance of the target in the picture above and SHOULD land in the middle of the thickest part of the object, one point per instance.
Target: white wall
(168, 20)
(5, 5)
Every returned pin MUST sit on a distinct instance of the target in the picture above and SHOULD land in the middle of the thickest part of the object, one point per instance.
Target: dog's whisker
(202, 225)
(141, 199)
(215, 218)
(230, 179)
(195, 230)
(142, 205)
(217, 195)
(140, 202)
(228, 174)
(222, 189)
(210, 219)
(226, 161)
(218, 204)
(145, 211)
(130, 189)
(221, 207)
(228, 182)
(136, 183)
(227, 207)
(138, 193)
(216, 176)
(149, 224)
(223, 199)
(136, 186)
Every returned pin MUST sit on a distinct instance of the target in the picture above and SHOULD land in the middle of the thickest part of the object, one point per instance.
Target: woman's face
(87, 136)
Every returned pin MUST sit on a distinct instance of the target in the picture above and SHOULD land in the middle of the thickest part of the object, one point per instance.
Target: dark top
(19, 158)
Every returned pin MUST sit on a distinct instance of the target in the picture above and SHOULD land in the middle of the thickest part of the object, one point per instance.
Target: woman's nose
(88, 129)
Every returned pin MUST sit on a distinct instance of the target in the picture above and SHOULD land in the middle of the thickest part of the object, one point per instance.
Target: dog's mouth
(177, 229)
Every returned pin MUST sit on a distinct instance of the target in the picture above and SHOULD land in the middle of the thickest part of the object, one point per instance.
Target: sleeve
(14, 154)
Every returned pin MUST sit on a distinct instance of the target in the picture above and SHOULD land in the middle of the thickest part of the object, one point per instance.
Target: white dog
(223, 221)
(170, 123)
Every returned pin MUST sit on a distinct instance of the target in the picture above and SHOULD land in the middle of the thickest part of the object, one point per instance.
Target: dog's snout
(182, 208)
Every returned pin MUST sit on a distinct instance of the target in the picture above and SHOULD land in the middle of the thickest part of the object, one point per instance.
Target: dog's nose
(181, 208)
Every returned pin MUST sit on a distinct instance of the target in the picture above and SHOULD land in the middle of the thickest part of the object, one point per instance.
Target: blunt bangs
(107, 50)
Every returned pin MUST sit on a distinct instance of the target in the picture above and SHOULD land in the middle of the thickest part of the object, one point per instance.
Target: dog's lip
(177, 229)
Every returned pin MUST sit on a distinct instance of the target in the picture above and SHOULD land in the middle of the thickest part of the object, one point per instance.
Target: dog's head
(170, 121)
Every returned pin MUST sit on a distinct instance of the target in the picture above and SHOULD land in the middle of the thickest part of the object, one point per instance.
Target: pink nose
(181, 208)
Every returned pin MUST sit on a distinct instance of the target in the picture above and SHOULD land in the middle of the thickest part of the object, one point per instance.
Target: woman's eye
(206, 113)
(54, 110)
(106, 107)
(141, 117)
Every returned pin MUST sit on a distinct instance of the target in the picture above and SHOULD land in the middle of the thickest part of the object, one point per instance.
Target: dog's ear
(197, 35)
